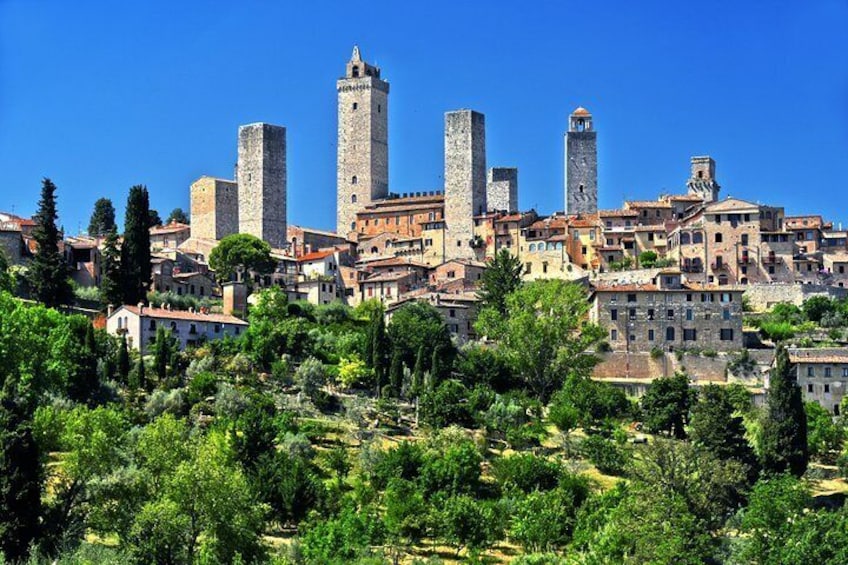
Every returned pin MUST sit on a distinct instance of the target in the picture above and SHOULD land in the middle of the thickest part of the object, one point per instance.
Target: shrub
(526, 473)
(310, 376)
(604, 454)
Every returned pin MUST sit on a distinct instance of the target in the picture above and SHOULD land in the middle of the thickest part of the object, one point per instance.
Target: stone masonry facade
(363, 141)
(214, 208)
(262, 182)
(465, 179)
(502, 189)
(581, 164)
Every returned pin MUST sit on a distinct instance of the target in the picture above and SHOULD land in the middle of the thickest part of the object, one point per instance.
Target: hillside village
(667, 278)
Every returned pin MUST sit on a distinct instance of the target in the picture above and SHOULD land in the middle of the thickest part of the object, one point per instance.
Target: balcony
(746, 260)
(692, 268)
(719, 266)
(772, 260)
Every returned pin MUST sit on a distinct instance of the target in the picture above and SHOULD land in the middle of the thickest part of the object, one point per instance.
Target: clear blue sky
(103, 95)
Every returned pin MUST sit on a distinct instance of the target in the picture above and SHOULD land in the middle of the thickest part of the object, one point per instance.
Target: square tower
(262, 182)
(502, 189)
(465, 179)
(581, 164)
(214, 208)
(363, 146)
(702, 182)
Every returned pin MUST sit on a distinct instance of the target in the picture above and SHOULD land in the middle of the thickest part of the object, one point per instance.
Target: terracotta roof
(387, 277)
(581, 111)
(732, 205)
(511, 217)
(797, 222)
(685, 198)
(648, 204)
(161, 313)
(173, 227)
(654, 228)
(316, 255)
(583, 223)
(685, 287)
(824, 355)
(189, 275)
(396, 261)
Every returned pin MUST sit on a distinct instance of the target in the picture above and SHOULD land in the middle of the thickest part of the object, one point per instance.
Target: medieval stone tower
(363, 153)
(465, 179)
(702, 182)
(214, 208)
(502, 189)
(581, 164)
(262, 182)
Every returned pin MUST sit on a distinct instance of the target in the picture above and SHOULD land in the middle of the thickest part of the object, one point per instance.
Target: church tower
(581, 164)
(702, 182)
(363, 146)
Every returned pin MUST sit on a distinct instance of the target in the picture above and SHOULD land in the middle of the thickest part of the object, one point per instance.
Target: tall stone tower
(363, 153)
(465, 179)
(502, 189)
(262, 182)
(581, 164)
(702, 182)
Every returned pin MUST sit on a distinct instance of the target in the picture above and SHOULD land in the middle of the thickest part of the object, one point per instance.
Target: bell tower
(581, 164)
(363, 140)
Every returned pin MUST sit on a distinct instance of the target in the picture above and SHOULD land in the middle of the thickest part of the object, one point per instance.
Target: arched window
(744, 280)
(559, 245)
(532, 247)
(374, 249)
(354, 180)
(684, 238)
(719, 238)
(697, 237)
(353, 198)
(354, 71)
(550, 246)
(581, 189)
(700, 174)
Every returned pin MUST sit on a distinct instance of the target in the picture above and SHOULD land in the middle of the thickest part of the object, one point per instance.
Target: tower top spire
(356, 56)
(357, 68)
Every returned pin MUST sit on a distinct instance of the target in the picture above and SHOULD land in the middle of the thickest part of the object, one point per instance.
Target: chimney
(109, 309)
(141, 308)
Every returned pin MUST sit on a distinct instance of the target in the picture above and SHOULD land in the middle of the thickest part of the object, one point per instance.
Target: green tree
(501, 277)
(544, 521)
(647, 259)
(154, 219)
(396, 373)
(179, 216)
(164, 352)
(379, 348)
(446, 404)
(544, 334)
(405, 517)
(111, 291)
(666, 405)
(123, 362)
(591, 402)
(21, 475)
(240, 253)
(783, 430)
(48, 273)
(290, 485)
(716, 428)
(418, 325)
(467, 523)
(816, 307)
(135, 249)
(102, 219)
(5, 276)
(824, 436)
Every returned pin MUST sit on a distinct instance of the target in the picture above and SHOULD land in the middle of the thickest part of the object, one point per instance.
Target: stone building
(304, 240)
(169, 236)
(139, 325)
(502, 190)
(581, 164)
(405, 215)
(465, 180)
(363, 140)
(702, 182)
(262, 182)
(214, 208)
(822, 375)
(668, 314)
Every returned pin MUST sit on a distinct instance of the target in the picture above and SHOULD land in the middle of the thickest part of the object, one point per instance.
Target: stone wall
(363, 147)
(11, 245)
(620, 366)
(465, 179)
(502, 189)
(581, 177)
(762, 297)
(262, 182)
(214, 208)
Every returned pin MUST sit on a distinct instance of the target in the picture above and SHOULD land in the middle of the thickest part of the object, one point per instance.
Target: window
(632, 314)
(669, 314)
(355, 106)
(689, 314)
(650, 313)
(726, 334)
(726, 297)
(718, 238)
(684, 238)
(688, 297)
(650, 335)
(827, 389)
(810, 388)
(669, 334)
(845, 372)
(452, 313)
(613, 335)
(689, 334)
(632, 337)
(811, 372)
(614, 314)
(631, 298)
(217, 328)
(459, 243)
(152, 324)
(725, 314)
(379, 108)
(354, 180)
(697, 237)
(827, 372)
(744, 239)
(192, 329)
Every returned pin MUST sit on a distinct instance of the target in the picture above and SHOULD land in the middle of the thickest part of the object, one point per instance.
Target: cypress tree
(48, 273)
(418, 371)
(380, 349)
(83, 382)
(111, 291)
(140, 375)
(123, 361)
(135, 250)
(21, 475)
(396, 372)
(440, 365)
(783, 435)
(102, 219)
(163, 351)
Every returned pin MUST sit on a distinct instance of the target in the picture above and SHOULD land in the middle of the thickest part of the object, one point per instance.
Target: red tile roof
(316, 255)
(163, 314)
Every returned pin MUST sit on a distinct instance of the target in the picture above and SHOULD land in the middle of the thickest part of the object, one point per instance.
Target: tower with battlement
(262, 182)
(502, 189)
(465, 179)
(363, 141)
(581, 164)
(702, 180)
